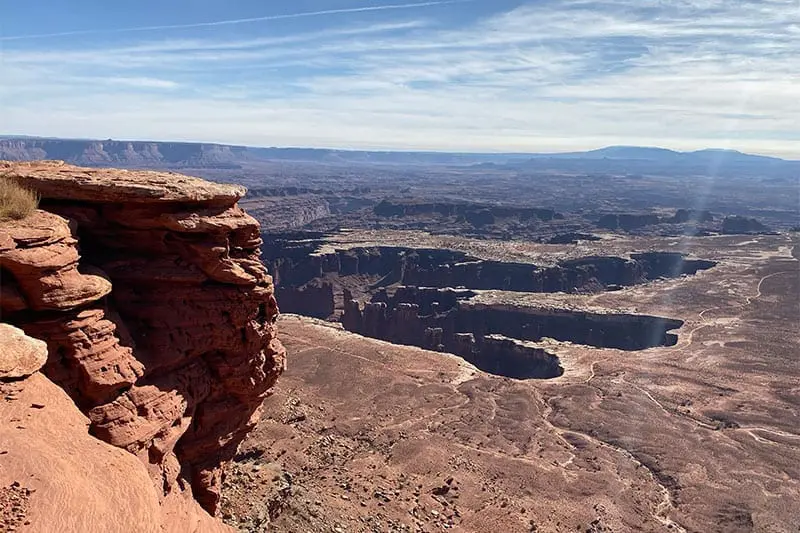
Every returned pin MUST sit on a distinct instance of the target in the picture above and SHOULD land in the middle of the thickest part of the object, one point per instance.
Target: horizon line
(22, 137)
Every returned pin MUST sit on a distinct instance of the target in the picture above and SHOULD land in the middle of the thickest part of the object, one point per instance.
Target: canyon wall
(493, 337)
(631, 221)
(287, 212)
(158, 315)
(126, 153)
(736, 225)
(299, 263)
(303, 272)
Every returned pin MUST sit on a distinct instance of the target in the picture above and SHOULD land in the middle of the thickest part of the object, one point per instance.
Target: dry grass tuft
(16, 202)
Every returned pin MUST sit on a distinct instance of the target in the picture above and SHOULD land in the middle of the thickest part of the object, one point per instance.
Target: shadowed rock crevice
(504, 356)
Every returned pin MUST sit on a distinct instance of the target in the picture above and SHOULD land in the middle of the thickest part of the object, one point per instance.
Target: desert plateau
(400, 266)
(443, 373)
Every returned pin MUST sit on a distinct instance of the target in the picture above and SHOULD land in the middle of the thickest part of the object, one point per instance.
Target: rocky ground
(363, 435)
(14, 502)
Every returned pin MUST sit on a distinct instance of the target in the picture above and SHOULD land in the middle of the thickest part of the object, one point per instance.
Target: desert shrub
(16, 202)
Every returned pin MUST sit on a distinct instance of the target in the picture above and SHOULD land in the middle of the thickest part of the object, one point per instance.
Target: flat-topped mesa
(173, 364)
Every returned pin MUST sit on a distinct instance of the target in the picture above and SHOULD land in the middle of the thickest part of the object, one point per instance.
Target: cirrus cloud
(542, 76)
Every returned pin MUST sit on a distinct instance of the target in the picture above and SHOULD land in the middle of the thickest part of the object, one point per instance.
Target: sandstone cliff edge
(158, 318)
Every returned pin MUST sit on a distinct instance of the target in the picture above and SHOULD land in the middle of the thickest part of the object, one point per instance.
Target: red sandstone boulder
(40, 261)
(20, 355)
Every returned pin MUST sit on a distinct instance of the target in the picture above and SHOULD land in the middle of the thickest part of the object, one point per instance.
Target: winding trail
(661, 512)
(662, 509)
(650, 396)
(704, 311)
(761, 281)
(591, 373)
(423, 420)
(687, 341)
(751, 429)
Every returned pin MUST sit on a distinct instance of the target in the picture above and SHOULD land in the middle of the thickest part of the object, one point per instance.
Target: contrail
(236, 21)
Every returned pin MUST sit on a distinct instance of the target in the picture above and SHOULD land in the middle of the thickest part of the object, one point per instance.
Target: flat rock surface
(518, 250)
(39, 229)
(74, 482)
(54, 476)
(60, 181)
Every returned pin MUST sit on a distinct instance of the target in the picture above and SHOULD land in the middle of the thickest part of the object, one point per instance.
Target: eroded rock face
(62, 478)
(45, 294)
(310, 277)
(735, 225)
(162, 330)
(493, 336)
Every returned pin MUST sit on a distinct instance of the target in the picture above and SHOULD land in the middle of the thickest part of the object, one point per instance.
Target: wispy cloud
(546, 75)
(231, 22)
(146, 83)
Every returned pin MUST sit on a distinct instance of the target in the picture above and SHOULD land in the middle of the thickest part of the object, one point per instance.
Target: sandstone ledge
(60, 181)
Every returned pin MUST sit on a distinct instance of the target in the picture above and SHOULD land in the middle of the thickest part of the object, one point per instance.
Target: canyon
(305, 261)
(490, 336)
(692, 429)
(438, 298)
(492, 385)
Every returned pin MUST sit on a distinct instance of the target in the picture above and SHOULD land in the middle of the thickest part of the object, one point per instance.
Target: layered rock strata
(298, 262)
(489, 335)
(310, 275)
(162, 329)
(56, 477)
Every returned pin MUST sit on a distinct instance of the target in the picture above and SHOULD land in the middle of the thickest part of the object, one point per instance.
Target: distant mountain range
(661, 161)
(660, 154)
(614, 159)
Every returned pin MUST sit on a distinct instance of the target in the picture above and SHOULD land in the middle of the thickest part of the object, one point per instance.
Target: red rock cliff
(162, 329)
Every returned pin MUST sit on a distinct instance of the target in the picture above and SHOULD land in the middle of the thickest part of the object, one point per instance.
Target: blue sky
(499, 75)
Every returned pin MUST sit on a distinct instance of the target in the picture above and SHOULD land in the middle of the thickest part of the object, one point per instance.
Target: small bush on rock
(16, 202)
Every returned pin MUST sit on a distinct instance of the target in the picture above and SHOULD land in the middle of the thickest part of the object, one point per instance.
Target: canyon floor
(364, 435)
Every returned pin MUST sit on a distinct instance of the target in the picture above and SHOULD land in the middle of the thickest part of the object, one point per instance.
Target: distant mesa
(124, 153)
(647, 153)
(735, 225)
(613, 159)
(630, 221)
(474, 213)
